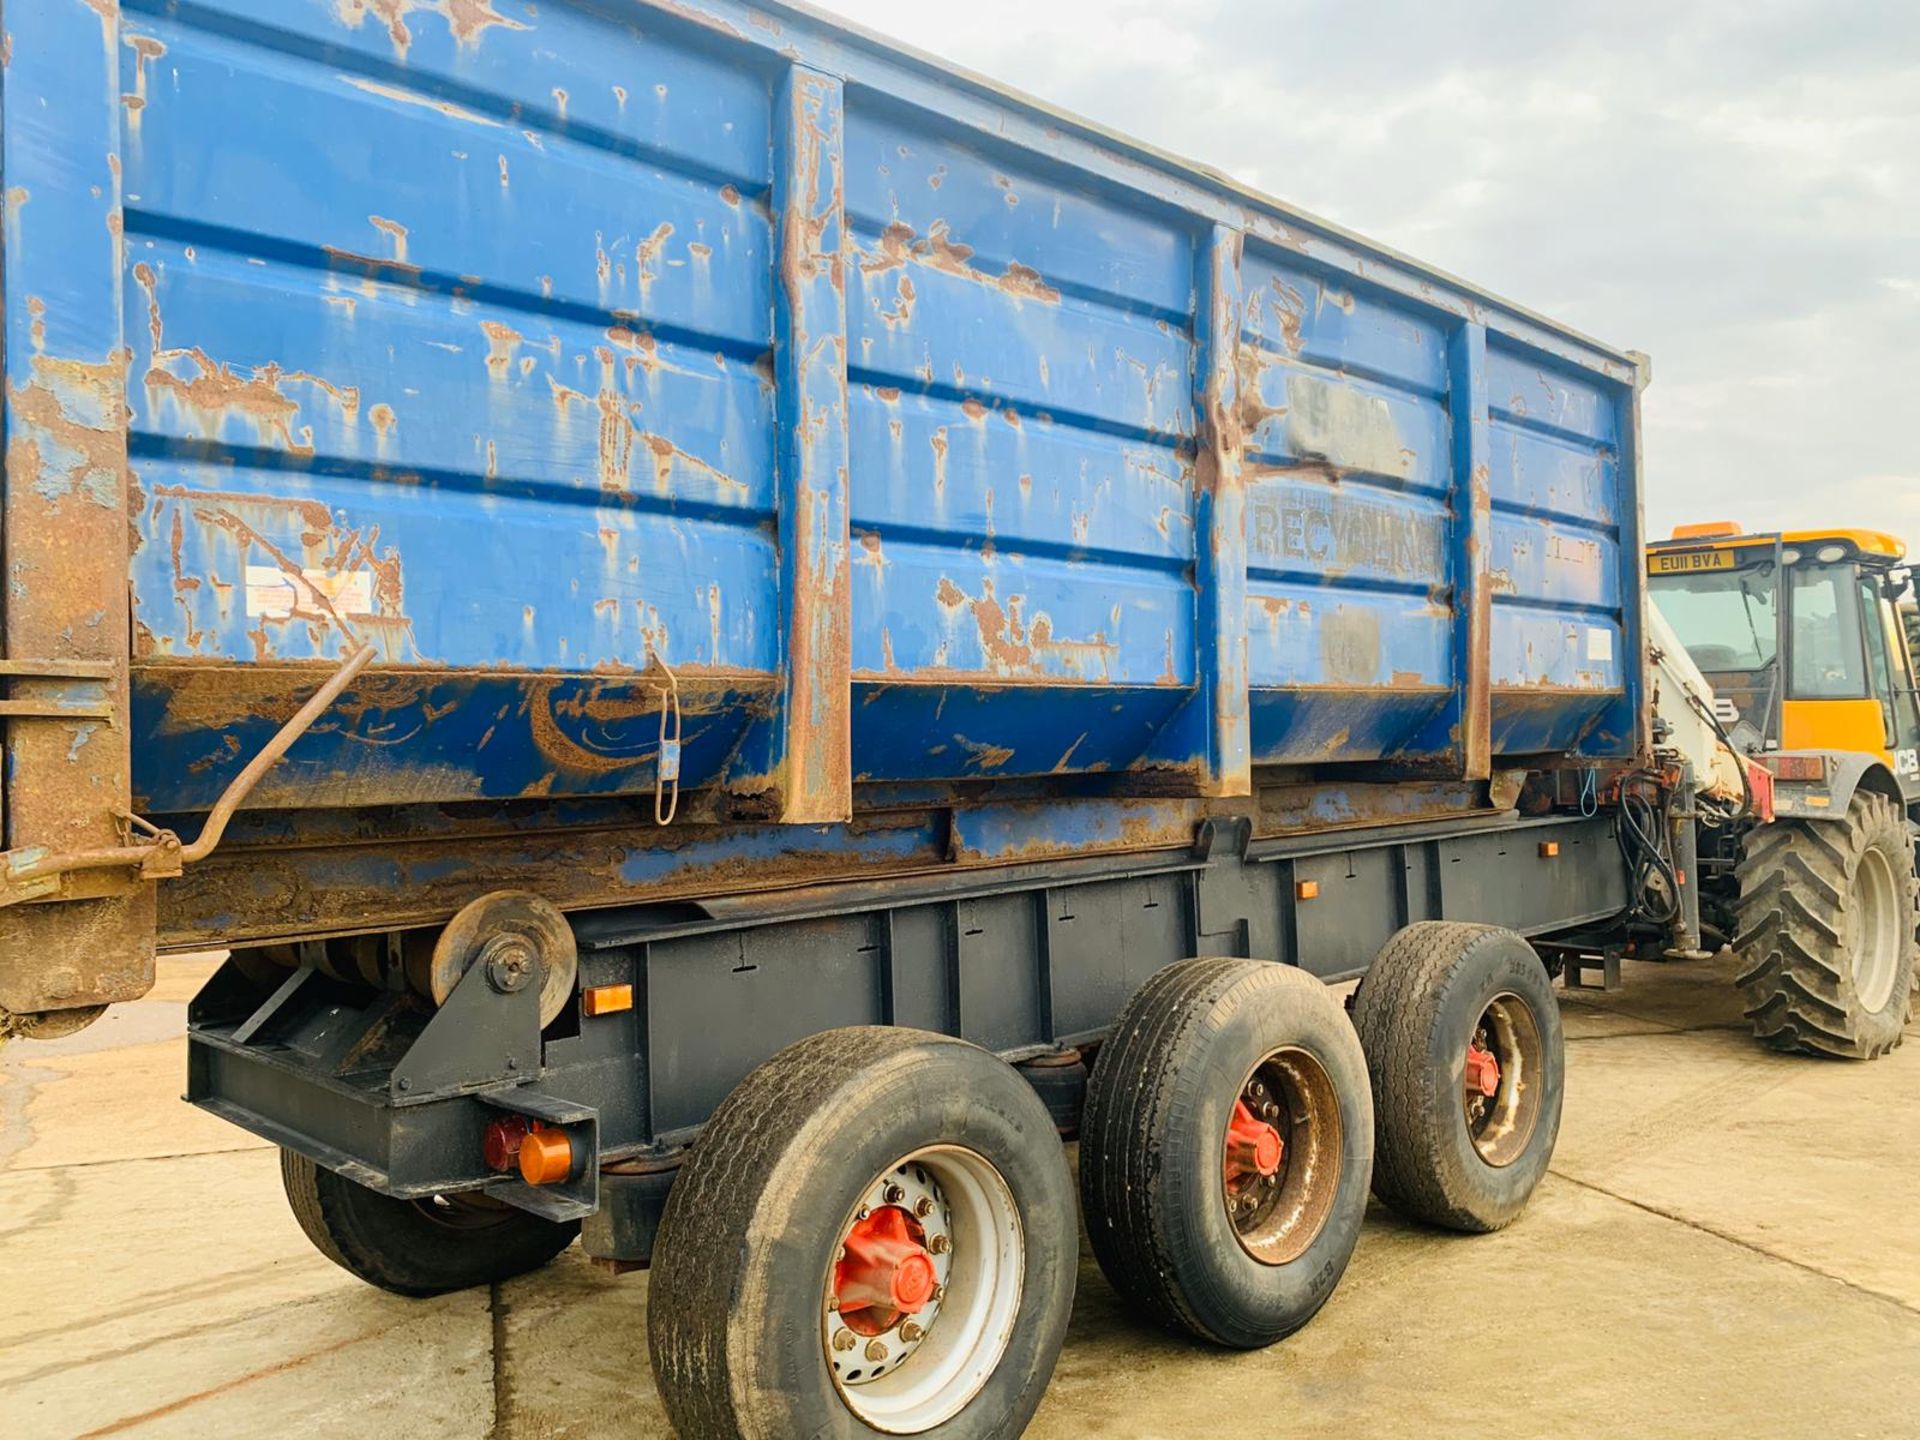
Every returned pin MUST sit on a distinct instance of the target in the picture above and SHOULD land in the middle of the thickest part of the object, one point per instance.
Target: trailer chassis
(1031, 962)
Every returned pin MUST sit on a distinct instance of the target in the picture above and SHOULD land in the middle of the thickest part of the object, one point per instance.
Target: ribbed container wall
(579, 356)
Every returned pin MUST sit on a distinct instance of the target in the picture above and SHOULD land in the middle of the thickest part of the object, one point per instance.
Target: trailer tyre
(1464, 1049)
(875, 1234)
(1826, 931)
(417, 1247)
(48, 1024)
(1225, 1149)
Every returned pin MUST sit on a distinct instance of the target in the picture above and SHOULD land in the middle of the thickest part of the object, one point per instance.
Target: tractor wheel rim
(1277, 1207)
(942, 1212)
(1873, 931)
(1501, 1125)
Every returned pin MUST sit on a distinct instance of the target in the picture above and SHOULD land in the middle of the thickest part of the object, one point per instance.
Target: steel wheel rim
(1290, 1208)
(1873, 931)
(968, 1323)
(1501, 1125)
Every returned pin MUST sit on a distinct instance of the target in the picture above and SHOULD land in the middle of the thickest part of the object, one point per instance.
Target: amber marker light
(546, 1157)
(606, 999)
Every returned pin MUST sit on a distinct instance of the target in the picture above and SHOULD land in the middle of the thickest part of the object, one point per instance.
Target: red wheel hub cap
(884, 1271)
(1483, 1072)
(1254, 1148)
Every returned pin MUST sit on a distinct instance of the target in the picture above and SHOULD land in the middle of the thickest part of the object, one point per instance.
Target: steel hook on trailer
(666, 770)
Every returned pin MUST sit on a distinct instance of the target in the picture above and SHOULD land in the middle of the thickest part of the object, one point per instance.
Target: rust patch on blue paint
(212, 390)
(900, 245)
(1012, 645)
(268, 529)
(467, 20)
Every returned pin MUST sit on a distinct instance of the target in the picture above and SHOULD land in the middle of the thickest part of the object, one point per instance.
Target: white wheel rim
(1873, 932)
(924, 1382)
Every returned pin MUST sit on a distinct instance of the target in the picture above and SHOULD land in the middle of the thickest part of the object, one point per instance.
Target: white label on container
(273, 594)
(1599, 644)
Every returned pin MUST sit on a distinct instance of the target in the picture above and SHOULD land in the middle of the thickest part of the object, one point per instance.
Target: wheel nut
(876, 1351)
(895, 1194)
(911, 1331)
(833, 1302)
(939, 1293)
(938, 1244)
(1269, 1110)
(923, 1207)
(844, 1340)
(1258, 1090)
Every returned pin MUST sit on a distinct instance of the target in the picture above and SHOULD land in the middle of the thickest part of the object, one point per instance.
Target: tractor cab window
(1891, 652)
(1725, 617)
(1827, 655)
(1879, 656)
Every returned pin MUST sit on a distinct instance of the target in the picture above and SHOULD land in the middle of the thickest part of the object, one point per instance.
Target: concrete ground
(1729, 1244)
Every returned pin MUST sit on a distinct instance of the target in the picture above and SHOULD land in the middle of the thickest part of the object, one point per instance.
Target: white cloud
(1730, 185)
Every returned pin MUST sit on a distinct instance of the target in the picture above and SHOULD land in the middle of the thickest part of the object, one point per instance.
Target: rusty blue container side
(573, 354)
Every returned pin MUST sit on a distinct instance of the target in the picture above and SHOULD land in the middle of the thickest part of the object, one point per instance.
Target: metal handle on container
(666, 769)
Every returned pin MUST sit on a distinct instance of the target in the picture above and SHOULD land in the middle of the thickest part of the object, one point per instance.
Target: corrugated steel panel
(922, 434)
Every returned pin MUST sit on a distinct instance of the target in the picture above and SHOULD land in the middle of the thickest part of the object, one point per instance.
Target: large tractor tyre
(1225, 1149)
(417, 1247)
(1827, 931)
(1464, 1049)
(875, 1235)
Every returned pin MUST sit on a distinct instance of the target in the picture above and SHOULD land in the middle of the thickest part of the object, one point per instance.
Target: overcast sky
(1732, 186)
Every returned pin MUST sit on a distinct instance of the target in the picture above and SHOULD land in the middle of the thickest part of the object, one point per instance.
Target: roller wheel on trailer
(1464, 1050)
(417, 1247)
(1225, 1148)
(874, 1235)
(1826, 931)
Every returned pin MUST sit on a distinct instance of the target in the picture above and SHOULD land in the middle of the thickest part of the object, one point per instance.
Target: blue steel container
(582, 357)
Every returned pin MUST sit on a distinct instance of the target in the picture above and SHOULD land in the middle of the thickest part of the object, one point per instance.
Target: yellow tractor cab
(1803, 639)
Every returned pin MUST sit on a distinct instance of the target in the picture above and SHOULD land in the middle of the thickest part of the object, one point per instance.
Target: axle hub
(1483, 1071)
(1254, 1148)
(885, 1269)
